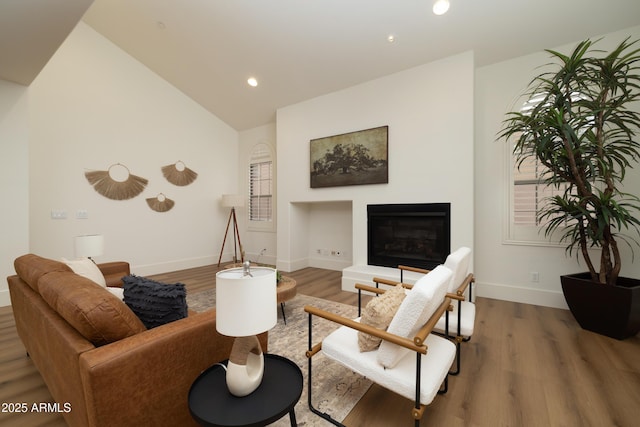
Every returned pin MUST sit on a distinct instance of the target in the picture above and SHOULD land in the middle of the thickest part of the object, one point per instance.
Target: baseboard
(533, 296)
(261, 259)
(289, 266)
(365, 273)
(328, 264)
(183, 264)
(5, 298)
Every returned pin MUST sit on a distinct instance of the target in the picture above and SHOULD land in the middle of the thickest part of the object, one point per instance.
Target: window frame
(261, 153)
(518, 234)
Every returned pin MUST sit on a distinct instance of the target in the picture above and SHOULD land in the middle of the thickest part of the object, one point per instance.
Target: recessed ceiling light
(161, 25)
(391, 38)
(440, 7)
(252, 81)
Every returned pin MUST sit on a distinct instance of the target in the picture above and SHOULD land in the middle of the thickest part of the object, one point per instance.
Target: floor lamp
(232, 201)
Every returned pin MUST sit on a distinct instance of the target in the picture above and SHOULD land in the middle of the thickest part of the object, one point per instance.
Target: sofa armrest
(145, 379)
(114, 271)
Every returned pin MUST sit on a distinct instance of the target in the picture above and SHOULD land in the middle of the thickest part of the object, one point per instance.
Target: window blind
(260, 191)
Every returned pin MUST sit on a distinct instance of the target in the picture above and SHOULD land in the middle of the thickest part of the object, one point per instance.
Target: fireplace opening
(418, 235)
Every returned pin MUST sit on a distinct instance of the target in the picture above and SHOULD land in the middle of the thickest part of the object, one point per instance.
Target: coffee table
(211, 403)
(287, 289)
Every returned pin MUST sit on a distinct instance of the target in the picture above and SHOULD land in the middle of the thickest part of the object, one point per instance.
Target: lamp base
(245, 367)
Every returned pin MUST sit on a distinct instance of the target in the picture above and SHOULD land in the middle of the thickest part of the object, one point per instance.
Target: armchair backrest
(458, 262)
(415, 310)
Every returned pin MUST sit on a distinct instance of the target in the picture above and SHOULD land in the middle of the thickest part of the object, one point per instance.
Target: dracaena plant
(583, 130)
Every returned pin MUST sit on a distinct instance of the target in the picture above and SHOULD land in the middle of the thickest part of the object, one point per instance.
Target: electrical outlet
(58, 214)
(534, 277)
(82, 214)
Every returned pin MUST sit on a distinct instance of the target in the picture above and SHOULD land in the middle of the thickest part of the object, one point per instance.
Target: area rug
(336, 390)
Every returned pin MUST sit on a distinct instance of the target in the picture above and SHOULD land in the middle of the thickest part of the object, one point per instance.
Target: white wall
(429, 111)
(93, 106)
(255, 241)
(14, 180)
(503, 270)
(330, 235)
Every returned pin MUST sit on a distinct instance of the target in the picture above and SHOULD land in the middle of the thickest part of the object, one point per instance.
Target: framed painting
(355, 158)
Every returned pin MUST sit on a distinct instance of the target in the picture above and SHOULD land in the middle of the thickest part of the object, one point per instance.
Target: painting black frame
(354, 158)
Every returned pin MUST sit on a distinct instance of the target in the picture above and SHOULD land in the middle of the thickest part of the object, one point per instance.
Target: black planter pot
(613, 311)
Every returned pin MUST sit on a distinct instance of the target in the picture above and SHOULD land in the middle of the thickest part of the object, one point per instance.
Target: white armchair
(410, 361)
(462, 318)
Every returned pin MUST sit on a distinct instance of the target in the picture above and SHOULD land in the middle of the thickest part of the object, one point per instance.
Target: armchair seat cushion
(467, 320)
(342, 346)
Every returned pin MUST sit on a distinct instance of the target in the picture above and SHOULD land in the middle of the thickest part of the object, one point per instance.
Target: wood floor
(525, 366)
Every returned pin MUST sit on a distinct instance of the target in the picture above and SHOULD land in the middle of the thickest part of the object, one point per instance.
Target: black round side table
(211, 403)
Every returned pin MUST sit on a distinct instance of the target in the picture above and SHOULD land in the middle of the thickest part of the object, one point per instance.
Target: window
(527, 195)
(529, 192)
(261, 185)
(260, 191)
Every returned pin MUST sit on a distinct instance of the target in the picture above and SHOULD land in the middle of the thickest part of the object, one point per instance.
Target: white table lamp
(89, 245)
(246, 305)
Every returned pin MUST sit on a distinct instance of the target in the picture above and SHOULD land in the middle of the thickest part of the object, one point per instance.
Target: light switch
(58, 214)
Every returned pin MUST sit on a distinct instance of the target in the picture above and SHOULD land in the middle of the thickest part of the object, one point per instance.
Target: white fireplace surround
(431, 160)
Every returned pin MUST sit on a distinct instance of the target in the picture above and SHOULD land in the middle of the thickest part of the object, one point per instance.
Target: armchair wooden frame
(467, 283)
(417, 345)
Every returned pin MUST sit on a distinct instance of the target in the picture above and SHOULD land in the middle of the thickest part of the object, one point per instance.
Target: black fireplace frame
(422, 210)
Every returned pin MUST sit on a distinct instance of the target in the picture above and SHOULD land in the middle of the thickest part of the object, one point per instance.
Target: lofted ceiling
(30, 33)
(301, 49)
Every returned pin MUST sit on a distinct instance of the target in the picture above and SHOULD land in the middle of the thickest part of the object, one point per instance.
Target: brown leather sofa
(96, 356)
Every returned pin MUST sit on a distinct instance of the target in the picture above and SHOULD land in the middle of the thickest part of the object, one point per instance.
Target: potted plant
(582, 129)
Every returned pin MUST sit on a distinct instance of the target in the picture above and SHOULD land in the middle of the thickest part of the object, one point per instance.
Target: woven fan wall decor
(116, 183)
(179, 174)
(160, 203)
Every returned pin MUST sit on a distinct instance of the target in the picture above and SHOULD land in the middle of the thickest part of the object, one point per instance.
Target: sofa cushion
(95, 313)
(378, 313)
(153, 302)
(118, 292)
(31, 268)
(86, 268)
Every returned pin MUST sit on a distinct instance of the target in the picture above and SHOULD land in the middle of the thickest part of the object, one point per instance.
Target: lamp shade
(232, 200)
(89, 245)
(246, 304)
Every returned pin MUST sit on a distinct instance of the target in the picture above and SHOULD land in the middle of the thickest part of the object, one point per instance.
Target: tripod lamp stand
(232, 201)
